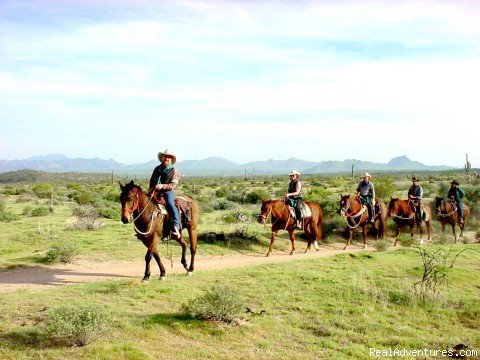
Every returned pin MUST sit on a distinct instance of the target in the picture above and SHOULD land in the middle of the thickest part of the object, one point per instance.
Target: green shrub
(219, 303)
(3, 204)
(221, 192)
(64, 253)
(382, 245)
(256, 197)
(40, 211)
(8, 216)
(43, 190)
(77, 324)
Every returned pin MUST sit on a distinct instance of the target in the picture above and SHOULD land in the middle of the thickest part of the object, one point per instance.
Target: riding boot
(175, 233)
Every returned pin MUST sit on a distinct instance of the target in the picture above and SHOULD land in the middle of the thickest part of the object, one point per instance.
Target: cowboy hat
(454, 182)
(367, 175)
(167, 152)
(295, 172)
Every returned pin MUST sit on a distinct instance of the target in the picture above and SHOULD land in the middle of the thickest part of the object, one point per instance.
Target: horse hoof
(315, 245)
(364, 246)
(189, 273)
(162, 278)
(145, 280)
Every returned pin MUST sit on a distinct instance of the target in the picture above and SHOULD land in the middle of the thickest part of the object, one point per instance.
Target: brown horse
(282, 220)
(151, 224)
(403, 214)
(355, 215)
(447, 214)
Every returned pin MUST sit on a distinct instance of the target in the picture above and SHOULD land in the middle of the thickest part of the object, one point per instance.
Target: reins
(352, 215)
(454, 210)
(136, 206)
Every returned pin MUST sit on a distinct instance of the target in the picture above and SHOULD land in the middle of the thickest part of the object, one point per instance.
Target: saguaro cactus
(468, 166)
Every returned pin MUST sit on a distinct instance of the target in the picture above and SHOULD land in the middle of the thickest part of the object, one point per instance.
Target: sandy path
(45, 277)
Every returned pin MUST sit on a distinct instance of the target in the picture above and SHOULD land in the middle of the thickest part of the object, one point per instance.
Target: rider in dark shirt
(415, 194)
(457, 194)
(294, 195)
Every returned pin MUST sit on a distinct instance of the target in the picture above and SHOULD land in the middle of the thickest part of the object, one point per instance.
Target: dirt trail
(47, 277)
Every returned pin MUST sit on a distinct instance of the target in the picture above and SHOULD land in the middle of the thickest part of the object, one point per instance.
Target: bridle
(135, 207)
(351, 215)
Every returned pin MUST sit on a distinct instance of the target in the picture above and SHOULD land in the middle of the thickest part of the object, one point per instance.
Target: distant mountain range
(56, 163)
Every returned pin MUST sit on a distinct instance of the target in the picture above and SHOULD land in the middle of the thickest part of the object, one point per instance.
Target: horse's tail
(318, 224)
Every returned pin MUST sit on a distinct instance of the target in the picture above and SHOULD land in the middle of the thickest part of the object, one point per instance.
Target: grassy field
(342, 306)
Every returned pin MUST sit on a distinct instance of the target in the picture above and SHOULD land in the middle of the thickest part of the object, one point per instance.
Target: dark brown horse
(402, 213)
(356, 215)
(282, 220)
(447, 214)
(151, 224)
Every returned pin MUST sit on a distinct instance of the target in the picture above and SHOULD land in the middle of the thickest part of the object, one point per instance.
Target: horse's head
(344, 204)
(130, 199)
(439, 203)
(393, 206)
(265, 211)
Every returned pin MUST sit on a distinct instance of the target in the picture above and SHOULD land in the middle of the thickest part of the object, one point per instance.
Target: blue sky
(243, 80)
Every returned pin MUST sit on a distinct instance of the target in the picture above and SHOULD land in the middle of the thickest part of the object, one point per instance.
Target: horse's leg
(159, 263)
(364, 234)
(309, 236)
(428, 225)
(453, 231)
(152, 251)
(349, 240)
(192, 234)
(397, 233)
(291, 234)
(272, 240)
(420, 231)
(148, 257)
(315, 235)
(183, 244)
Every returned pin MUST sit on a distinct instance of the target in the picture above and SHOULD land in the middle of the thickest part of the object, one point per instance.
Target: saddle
(183, 204)
(304, 209)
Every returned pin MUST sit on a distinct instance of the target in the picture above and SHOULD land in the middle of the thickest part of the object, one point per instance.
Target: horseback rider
(366, 191)
(294, 196)
(456, 194)
(415, 193)
(164, 179)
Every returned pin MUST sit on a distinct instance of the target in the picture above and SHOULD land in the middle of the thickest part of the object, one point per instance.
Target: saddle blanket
(304, 209)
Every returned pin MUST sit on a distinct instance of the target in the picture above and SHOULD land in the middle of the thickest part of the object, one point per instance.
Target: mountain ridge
(56, 163)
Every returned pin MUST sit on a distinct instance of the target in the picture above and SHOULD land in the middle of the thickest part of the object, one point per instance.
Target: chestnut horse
(447, 214)
(282, 220)
(355, 215)
(151, 224)
(403, 214)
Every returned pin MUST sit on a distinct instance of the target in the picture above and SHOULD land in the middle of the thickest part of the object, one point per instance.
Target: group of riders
(165, 178)
(366, 191)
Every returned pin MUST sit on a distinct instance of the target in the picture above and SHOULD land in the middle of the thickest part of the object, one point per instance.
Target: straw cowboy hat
(295, 172)
(167, 152)
(367, 175)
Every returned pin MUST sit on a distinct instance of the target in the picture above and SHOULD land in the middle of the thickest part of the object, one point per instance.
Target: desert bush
(8, 216)
(256, 196)
(221, 192)
(85, 218)
(64, 253)
(381, 245)
(43, 190)
(3, 204)
(219, 303)
(384, 187)
(77, 324)
(40, 211)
